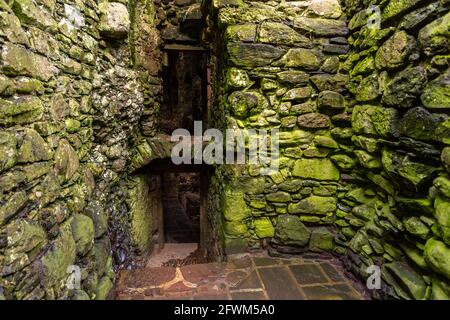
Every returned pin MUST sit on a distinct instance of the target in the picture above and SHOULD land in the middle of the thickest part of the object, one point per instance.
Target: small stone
(66, 160)
(331, 100)
(410, 279)
(291, 231)
(366, 160)
(279, 33)
(404, 89)
(313, 121)
(326, 142)
(114, 20)
(33, 148)
(293, 77)
(83, 233)
(327, 9)
(8, 151)
(442, 215)
(298, 94)
(416, 227)
(243, 104)
(278, 197)
(315, 205)
(343, 161)
(263, 228)
(374, 120)
(307, 59)
(395, 51)
(321, 27)
(104, 289)
(321, 240)
(318, 169)
(437, 256)
(242, 32)
(249, 55)
(433, 38)
(436, 93)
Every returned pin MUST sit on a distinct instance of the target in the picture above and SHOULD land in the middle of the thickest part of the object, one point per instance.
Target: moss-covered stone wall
(278, 67)
(398, 215)
(362, 106)
(71, 106)
(361, 102)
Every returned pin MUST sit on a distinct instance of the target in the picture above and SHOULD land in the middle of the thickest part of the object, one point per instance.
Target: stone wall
(397, 213)
(70, 107)
(363, 115)
(362, 109)
(278, 67)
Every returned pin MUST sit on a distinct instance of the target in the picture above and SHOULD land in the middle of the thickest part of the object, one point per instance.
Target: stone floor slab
(308, 274)
(279, 284)
(330, 292)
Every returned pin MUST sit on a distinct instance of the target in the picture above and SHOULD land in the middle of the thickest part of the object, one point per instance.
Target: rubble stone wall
(74, 97)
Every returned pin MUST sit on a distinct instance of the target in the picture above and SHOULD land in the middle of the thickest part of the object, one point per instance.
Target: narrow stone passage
(243, 277)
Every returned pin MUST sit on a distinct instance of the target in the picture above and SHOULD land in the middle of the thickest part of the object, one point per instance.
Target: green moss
(318, 169)
(141, 218)
(437, 256)
(436, 94)
(83, 233)
(279, 196)
(321, 240)
(104, 289)
(442, 215)
(263, 228)
(314, 205)
(291, 231)
(60, 256)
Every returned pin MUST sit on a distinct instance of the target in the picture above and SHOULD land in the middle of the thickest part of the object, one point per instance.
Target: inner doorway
(181, 219)
(181, 207)
(186, 88)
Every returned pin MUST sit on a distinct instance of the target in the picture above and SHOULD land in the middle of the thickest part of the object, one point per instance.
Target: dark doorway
(184, 192)
(181, 207)
(185, 90)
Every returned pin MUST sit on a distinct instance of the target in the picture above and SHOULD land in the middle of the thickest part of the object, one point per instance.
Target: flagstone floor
(243, 277)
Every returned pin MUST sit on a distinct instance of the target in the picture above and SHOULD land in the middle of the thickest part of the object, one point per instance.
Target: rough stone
(33, 148)
(404, 89)
(66, 160)
(279, 33)
(321, 27)
(410, 279)
(291, 231)
(264, 228)
(434, 37)
(436, 93)
(395, 51)
(318, 169)
(420, 124)
(249, 55)
(306, 59)
(314, 205)
(442, 215)
(114, 20)
(374, 120)
(437, 256)
(331, 100)
(83, 233)
(279, 196)
(321, 240)
(313, 121)
(243, 104)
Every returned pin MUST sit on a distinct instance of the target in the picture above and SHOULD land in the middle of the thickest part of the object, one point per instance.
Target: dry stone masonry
(361, 100)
